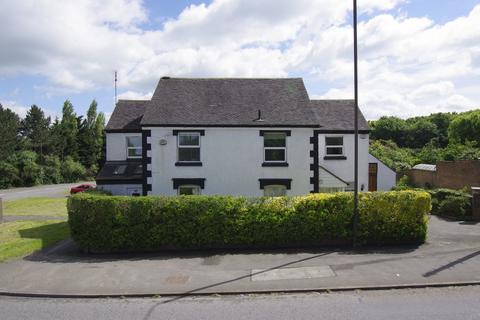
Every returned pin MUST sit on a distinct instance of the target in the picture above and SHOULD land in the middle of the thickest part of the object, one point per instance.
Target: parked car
(82, 187)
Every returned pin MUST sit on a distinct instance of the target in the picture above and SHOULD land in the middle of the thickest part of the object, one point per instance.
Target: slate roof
(203, 102)
(127, 116)
(120, 171)
(229, 102)
(337, 115)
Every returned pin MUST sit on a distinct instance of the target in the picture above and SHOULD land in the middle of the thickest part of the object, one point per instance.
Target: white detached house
(249, 137)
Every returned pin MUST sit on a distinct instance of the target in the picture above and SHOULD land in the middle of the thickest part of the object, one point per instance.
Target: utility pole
(355, 84)
(115, 89)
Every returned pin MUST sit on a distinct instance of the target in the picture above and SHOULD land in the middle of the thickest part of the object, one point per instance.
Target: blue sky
(417, 56)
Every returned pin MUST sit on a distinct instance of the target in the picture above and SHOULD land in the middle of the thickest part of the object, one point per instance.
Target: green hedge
(451, 203)
(114, 223)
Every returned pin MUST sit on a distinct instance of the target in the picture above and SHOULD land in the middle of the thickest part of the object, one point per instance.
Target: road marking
(291, 273)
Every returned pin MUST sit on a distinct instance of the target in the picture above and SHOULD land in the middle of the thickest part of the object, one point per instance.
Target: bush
(115, 223)
(451, 203)
(52, 170)
(72, 171)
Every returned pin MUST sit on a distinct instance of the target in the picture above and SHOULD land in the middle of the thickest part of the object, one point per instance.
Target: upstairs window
(334, 146)
(134, 147)
(275, 147)
(188, 147)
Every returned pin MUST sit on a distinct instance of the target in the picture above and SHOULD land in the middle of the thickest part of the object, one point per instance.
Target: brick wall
(450, 174)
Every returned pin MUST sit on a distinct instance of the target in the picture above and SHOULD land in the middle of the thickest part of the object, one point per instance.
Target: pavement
(451, 256)
(51, 191)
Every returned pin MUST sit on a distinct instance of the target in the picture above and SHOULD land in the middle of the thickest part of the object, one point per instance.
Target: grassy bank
(36, 206)
(20, 238)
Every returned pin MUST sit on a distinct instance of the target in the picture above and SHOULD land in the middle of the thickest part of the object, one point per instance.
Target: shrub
(52, 170)
(115, 223)
(72, 170)
(451, 203)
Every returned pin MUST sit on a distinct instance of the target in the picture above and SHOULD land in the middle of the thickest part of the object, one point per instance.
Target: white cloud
(408, 65)
(21, 110)
(134, 95)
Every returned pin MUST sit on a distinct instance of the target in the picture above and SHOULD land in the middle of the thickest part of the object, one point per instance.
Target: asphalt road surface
(439, 304)
(50, 191)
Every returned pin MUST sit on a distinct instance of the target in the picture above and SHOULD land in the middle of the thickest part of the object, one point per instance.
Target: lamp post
(355, 84)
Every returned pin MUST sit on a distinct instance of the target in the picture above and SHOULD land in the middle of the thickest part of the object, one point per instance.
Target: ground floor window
(331, 189)
(275, 191)
(189, 190)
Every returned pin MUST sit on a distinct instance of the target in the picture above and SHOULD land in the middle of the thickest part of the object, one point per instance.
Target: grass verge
(20, 238)
(36, 206)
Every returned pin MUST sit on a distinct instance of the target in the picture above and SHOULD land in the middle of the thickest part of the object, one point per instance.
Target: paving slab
(451, 255)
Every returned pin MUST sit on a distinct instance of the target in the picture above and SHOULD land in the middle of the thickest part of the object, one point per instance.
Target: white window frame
(190, 146)
(133, 148)
(265, 189)
(335, 146)
(274, 148)
(196, 187)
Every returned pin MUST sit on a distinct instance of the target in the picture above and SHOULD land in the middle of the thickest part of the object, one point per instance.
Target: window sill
(188, 164)
(334, 158)
(275, 164)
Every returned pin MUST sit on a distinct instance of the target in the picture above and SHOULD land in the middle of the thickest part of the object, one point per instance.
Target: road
(435, 303)
(51, 191)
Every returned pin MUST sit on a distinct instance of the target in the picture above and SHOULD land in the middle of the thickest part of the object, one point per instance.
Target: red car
(82, 187)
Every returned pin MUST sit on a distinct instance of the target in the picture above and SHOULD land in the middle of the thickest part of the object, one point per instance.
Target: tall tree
(9, 132)
(35, 128)
(68, 128)
(465, 127)
(91, 137)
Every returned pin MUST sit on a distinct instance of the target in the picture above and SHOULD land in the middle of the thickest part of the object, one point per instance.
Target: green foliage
(403, 183)
(466, 127)
(9, 128)
(439, 137)
(35, 128)
(451, 203)
(115, 223)
(52, 170)
(91, 134)
(9, 175)
(72, 170)
(393, 156)
(37, 152)
(29, 171)
(389, 128)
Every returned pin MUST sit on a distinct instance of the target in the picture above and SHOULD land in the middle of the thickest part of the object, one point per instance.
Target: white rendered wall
(232, 161)
(121, 189)
(344, 169)
(117, 145)
(386, 177)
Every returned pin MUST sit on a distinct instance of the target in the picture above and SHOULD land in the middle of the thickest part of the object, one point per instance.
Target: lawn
(20, 238)
(36, 206)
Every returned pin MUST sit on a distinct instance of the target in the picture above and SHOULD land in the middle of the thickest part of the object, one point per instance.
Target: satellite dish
(163, 142)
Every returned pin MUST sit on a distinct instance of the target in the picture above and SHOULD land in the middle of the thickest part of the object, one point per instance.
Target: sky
(416, 57)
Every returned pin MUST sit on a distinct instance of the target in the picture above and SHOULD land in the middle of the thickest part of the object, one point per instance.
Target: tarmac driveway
(451, 256)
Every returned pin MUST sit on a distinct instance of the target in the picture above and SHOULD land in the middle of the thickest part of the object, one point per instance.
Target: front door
(372, 176)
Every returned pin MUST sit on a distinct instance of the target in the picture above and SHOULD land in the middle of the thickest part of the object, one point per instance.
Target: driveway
(50, 191)
(451, 256)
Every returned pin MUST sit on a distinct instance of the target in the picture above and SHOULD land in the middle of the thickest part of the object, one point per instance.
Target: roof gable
(337, 115)
(127, 116)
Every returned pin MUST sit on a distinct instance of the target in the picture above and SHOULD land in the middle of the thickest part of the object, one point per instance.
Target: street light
(355, 84)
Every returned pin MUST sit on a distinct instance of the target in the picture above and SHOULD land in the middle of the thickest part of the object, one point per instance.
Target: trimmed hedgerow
(114, 223)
